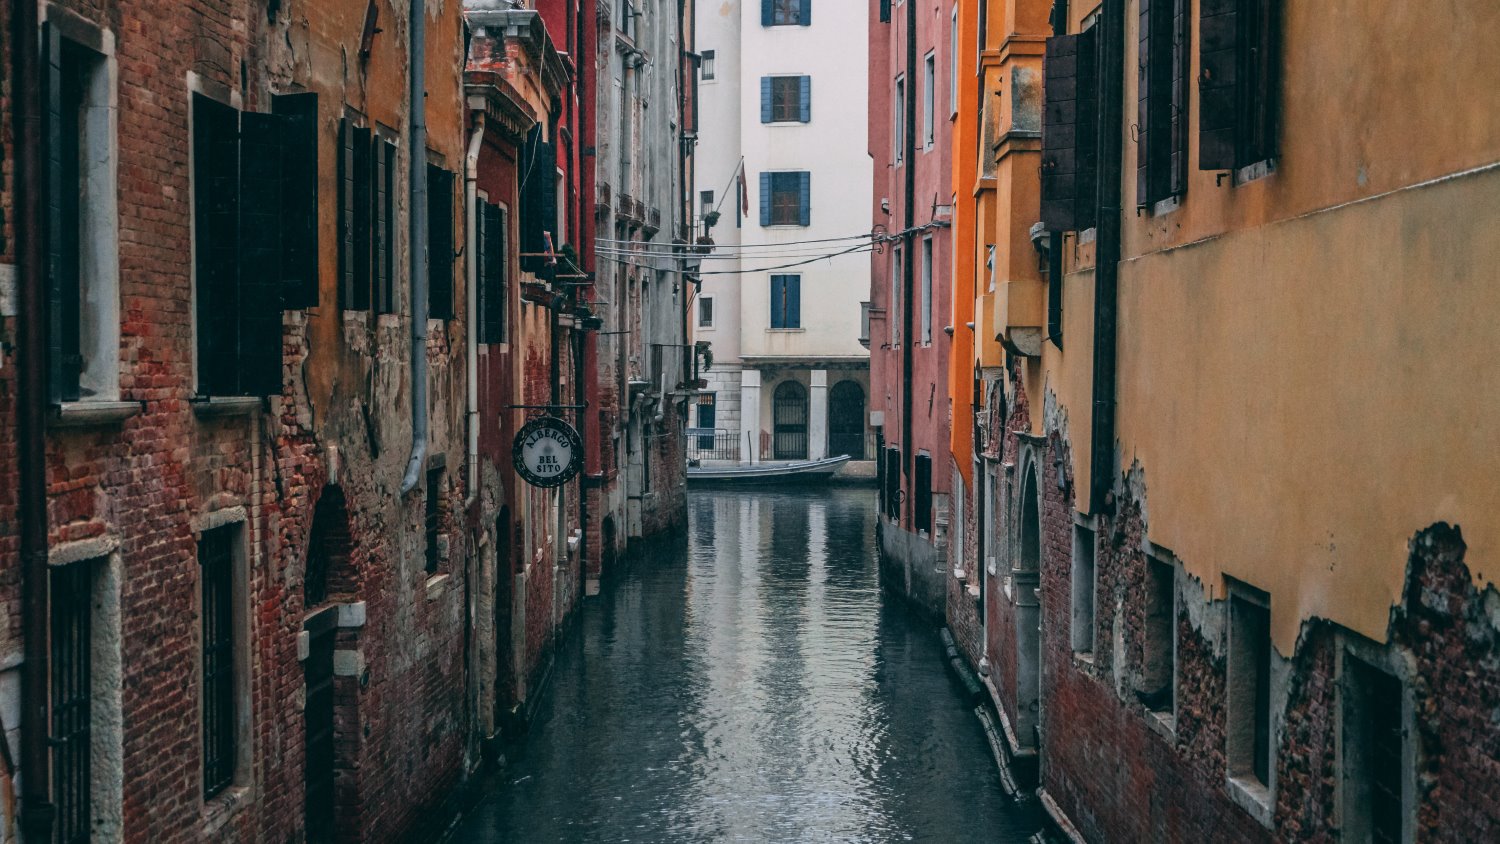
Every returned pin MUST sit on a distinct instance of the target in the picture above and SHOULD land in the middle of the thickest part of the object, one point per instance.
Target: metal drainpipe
(1107, 251)
(908, 278)
(31, 388)
(417, 248)
(471, 297)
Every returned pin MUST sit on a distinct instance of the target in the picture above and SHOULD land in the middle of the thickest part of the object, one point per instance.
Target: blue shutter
(805, 18)
(804, 200)
(765, 99)
(793, 285)
(767, 14)
(778, 293)
(765, 199)
(806, 85)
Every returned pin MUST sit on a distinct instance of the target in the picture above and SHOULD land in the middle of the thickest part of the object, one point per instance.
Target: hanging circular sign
(547, 452)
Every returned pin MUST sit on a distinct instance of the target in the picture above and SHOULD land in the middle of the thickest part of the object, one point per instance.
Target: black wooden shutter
(1181, 34)
(439, 243)
(346, 214)
(1060, 133)
(494, 267)
(299, 175)
(1155, 102)
(364, 206)
(480, 261)
(1263, 61)
(1218, 36)
(885, 11)
(59, 387)
(260, 271)
(538, 201)
(216, 243)
(385, 161)
(1086, 185)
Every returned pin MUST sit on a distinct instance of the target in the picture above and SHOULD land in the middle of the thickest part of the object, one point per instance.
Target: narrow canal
(752, 684)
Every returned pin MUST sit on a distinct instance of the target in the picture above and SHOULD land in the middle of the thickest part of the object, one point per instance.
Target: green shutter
(262, 211)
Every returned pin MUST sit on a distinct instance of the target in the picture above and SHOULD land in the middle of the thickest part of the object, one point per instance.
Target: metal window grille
(789, 406)
(216, 560)
(72, 700)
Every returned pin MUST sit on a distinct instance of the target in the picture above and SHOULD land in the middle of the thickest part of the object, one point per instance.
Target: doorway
(846, 420)
(789, 417)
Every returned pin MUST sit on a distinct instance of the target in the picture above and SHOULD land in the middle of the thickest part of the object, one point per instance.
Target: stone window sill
(1253, 797)
(207, 408)
(437, 585)
(84, 414)
(223, 807)
(1164, 723)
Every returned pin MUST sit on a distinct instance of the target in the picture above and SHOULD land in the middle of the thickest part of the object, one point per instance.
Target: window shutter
(346, 214)
(385, 220)
(765, 199)
(1143, 117)
(1263, 59)
(538, 199)
(59, 387)
(1177, 181)
(885, 11)
(299, 175)
(804, 16)
(479, 260)
(494, 268)
(805, 84)
(1218, 34)
(1086, 156)
(765, 99)
(216, 243)
(793, 286)
(767, 12)
(439, 243)
(804, 198)
(1060, 133)
(1156, 101)
(260, 271)
(778, 301)
(364, 206)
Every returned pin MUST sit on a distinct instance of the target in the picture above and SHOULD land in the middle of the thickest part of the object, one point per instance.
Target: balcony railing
(713, 444)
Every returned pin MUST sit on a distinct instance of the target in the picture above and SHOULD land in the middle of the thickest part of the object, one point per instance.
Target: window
(1069, 132)
(627, 17)
(538, 209)
(705, 312)
(923, 491)
(492, 272)
(1376, 756)
(705, 202)
(240, 257)
(82, 260)
(72, 699)
(433, 523)
(1161, 144)
(929, 91)
(786, 301)
(384, 195)
(953, 63)
(706, 65)
(367, 219)
(785, 99)
(1157, 683)
(899, 112)
(785, 199)
(440, 242)
(1249, 680)
(220, 710)
(885, 11)
(864, 324)
(893, 315)
(892, 488)
(926, 290)
(707, 419)
(1238, 89)
(1083, 590)
(785, 12)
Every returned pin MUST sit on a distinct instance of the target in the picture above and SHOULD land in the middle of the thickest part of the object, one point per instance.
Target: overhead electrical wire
(863, 247)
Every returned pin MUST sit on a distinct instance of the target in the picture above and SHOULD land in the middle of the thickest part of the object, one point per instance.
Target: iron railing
(713, 444)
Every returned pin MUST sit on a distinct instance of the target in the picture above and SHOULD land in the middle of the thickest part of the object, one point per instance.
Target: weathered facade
(910, 130)
(1233, 594)
(642, 361)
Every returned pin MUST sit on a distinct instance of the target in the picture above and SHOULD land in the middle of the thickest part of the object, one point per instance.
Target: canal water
(751, 682)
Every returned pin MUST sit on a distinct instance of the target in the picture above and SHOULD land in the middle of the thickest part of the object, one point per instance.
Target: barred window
(216, 560)
(72, 700)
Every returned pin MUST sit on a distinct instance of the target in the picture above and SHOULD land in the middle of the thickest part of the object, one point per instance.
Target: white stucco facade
(810, 336)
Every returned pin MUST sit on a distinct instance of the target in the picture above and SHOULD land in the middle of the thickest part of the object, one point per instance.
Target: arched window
(789, 418)
(846, 420)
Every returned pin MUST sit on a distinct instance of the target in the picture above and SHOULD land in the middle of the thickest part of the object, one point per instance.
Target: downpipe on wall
(471, 298)
(417, 248)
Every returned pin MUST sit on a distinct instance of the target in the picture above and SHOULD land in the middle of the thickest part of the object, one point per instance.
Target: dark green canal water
(750, 682)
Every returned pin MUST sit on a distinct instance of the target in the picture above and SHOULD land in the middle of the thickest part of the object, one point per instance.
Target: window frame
(235, 527)
(702, 301)
(927, 292)
(791, 293)
(899, 109)
(1249, 608)
(707, 67)
(929, 96)
(786, 98)
(779, 209)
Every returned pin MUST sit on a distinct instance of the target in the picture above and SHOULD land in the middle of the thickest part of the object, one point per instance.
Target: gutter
(908, 276)
(471, 298)
(1102, 462)
(31, 442)
(417, 248)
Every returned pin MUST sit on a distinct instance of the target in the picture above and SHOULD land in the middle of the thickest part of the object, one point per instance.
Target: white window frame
(929, 94)
(926, 269)
(900, 111)
(707, 65)
(953, 66)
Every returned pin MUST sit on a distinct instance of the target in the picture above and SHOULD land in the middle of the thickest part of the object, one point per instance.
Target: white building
(781, 161)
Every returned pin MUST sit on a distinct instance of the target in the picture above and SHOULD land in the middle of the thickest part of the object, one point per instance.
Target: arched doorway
(789, 421)
(1029, 614)
(846, 420)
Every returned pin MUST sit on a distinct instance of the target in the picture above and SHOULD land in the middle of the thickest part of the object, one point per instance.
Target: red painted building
(911, 109)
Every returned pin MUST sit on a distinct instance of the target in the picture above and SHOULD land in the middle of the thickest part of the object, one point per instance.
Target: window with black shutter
(492, 273)
(538, 199)
(1161, 143)
(893, 482)
(385, 226)
(72, 698)
(250, 242)
(1238, 82)
(922, 481)
(216, 564)
(299, 191)
(439, 243)
(1070, 157)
